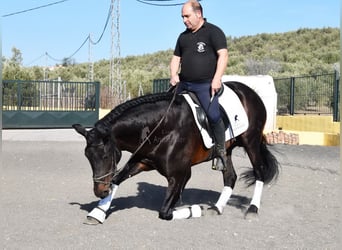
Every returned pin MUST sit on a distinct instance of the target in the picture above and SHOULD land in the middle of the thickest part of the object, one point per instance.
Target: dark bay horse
(160, 132)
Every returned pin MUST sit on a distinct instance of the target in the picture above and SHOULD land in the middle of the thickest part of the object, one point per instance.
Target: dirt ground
(46, 193)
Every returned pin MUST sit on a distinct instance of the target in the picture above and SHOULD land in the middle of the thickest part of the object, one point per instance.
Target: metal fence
(314, 94)
(49, 103)
(48, 95)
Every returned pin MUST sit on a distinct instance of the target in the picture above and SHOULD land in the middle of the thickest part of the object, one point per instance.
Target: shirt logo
(201, 47)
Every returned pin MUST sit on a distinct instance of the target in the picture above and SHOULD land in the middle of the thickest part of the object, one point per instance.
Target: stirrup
(217, 164)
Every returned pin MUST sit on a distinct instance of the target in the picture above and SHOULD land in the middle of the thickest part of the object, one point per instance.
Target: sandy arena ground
(46, 193)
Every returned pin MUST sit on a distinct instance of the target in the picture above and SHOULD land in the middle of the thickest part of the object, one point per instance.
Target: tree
(67, 61)
(13, 69)
(264, 67)
(17, 57)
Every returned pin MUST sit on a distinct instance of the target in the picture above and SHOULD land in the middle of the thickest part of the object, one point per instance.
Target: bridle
(100, 178)
(100, 181)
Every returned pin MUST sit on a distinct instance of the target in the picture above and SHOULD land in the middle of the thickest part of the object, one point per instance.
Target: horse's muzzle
(101, 190)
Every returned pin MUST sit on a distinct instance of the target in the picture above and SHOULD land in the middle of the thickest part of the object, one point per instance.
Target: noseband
(100, 181)
(100, 178)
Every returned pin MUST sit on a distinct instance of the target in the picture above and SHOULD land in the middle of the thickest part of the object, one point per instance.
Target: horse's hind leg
(255, 176)
(255, 202)
(265, 169)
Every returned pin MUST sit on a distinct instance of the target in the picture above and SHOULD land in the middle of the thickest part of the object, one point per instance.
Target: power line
(105, 26)
(157, 4)
(34, 60)
(88, 38)
(35, 8)
(153, 2)
(69, 57)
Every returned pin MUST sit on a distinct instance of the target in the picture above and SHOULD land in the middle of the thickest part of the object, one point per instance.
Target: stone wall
(281, 137)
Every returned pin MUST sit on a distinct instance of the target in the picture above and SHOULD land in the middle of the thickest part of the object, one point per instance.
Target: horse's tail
(269, 169)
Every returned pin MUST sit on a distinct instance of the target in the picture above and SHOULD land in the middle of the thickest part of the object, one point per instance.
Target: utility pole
(90, 61)
(45, 68)
(141, 90)
(115, 61)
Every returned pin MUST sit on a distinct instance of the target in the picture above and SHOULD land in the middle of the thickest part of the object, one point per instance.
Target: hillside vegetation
(301, 52)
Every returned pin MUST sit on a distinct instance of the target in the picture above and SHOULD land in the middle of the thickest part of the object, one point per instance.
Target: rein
(98, 179)
(172, 88)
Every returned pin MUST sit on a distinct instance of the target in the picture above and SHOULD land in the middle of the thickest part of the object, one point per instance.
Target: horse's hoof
(165, 216)
(251, 212)
(91, 221)
(213, 210)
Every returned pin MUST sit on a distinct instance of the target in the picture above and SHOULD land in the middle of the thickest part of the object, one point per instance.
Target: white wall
(263, 85)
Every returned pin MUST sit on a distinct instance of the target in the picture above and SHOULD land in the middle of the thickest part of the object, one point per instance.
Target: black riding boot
(219, 150)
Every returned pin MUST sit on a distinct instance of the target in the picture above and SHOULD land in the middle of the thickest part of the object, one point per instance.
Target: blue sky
(60, 29)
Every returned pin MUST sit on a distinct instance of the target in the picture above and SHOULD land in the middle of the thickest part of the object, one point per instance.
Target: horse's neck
(133, 130)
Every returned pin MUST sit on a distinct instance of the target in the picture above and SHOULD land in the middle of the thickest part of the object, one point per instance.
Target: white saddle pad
(236, 113)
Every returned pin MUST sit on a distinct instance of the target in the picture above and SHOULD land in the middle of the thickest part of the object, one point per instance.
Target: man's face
(191, 18)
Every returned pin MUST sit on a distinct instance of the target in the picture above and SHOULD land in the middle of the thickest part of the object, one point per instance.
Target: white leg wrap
(257, 193)
(224, 197)
(194, 211)
(99, 212)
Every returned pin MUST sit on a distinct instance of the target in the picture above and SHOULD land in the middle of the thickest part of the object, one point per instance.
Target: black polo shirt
(198, 52)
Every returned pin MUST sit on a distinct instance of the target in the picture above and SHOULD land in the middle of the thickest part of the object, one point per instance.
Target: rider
(201, 56)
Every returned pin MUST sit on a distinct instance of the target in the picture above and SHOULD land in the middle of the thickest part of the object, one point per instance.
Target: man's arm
(174, 69)
(221, 66)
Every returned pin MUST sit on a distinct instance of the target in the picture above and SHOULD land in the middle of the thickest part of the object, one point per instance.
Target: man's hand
(215, 86)
(174, 80)
(222, 62)
(174, 68)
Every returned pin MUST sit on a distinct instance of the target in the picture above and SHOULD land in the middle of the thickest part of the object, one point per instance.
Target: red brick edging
(282, 138)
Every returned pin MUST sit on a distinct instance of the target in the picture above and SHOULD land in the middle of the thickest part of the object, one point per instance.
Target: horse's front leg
(98, 214)
(229, 179)
(176, 184)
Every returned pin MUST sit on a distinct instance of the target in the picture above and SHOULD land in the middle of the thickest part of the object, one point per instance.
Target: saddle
(232, 112)
(202, 116)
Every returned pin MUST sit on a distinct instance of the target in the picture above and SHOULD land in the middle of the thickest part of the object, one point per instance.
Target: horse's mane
(104, 124)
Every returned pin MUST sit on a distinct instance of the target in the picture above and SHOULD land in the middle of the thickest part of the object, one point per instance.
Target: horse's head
(103, 156)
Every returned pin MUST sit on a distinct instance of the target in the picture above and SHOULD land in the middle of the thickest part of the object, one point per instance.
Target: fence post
(335, 96)
(97, 95)
(292, 96)
(19, 101)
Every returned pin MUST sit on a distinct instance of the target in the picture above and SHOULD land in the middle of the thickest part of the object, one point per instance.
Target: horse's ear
(80, 129)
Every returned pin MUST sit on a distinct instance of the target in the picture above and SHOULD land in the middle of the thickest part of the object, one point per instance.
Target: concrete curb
(41, 135)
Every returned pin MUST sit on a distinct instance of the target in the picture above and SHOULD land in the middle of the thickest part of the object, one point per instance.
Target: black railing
(46, 104)
(314, 94)
(48, 95)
